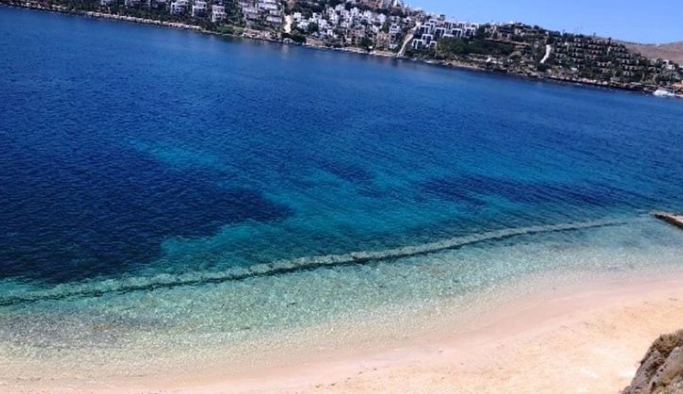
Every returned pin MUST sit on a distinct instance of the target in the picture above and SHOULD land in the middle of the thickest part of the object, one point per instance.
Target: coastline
(581, 341)
(569, 304)
(550, 332)
(457, 65)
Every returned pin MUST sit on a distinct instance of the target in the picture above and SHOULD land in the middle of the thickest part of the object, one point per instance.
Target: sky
(643, 21)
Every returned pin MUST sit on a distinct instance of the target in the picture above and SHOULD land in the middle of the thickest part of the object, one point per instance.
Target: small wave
(165, 281)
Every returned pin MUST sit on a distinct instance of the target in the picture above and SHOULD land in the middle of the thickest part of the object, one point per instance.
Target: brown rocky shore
(661, 370)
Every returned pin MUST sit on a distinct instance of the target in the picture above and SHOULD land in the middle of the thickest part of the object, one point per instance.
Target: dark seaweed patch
(347, 172)
(69, 221)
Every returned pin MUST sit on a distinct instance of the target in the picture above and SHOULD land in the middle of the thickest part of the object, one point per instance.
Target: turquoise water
(159, 181)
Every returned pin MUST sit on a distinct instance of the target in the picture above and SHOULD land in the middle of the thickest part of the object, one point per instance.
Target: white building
(179, 7)
(267, 5)
(199, 8)
(217, 13)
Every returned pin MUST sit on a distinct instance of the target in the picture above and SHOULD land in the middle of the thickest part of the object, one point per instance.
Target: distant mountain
(673, 51)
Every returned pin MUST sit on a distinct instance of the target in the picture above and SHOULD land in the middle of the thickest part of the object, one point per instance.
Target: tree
(365, 42)
(480, 34)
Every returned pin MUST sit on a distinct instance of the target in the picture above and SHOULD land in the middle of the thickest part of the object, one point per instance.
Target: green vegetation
(456, 47)
(145, 10)
(297, 38)
(366, 43)
(313, 28)
(519, 49)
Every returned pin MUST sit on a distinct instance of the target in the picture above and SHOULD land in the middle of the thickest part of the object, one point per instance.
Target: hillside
(522, 49)
(673, 51)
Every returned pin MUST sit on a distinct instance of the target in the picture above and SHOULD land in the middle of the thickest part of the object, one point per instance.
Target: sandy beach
(574, 338)
(584, 342)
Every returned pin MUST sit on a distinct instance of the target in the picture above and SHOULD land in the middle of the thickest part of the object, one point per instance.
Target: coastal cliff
(661, 370)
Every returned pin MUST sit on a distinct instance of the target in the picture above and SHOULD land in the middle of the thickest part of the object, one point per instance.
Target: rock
(661, 370)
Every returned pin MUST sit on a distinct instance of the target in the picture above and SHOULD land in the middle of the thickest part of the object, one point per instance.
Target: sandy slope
(583, 338)
(588, 342)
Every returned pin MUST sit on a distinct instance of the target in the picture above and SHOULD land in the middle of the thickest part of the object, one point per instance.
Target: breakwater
(672, 219)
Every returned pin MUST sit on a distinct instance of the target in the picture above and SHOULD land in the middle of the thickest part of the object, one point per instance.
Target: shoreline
(576, 338)
(455, 65)
(551, 331)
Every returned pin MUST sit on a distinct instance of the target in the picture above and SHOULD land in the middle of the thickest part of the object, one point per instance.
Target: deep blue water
(133, 150)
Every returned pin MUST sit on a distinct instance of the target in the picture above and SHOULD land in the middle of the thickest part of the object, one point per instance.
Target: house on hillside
(179, 7)
(199, 8)
(217, 13)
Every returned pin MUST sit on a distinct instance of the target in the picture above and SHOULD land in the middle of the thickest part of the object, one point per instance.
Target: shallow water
(161, 184)
(257, 321)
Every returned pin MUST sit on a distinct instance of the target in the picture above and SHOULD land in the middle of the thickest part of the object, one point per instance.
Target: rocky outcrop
(674, 220)
(661, 371)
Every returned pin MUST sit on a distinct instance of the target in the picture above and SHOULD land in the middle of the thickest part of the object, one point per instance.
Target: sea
(162, 188)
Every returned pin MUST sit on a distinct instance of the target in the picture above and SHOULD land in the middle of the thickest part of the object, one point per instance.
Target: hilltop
(672, 51)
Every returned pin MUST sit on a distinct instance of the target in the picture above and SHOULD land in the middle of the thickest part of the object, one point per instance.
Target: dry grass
(673, 51)
(665, 344)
